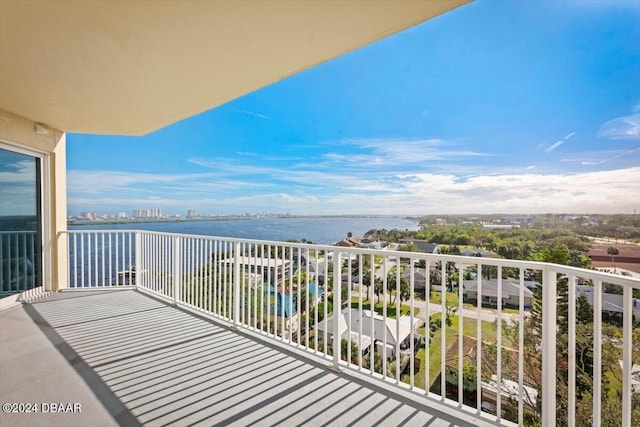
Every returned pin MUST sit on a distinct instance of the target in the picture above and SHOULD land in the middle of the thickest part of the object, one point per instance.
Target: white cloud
(556, 144)
(17, 188)
(553, 146)
(101, 182)
(23, 172)
(254, 114)
(411, 194)
(399, 151)
(625, 127)
(608, 159)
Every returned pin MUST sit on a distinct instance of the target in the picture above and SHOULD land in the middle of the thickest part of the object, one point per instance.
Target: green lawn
(452, 300)
(436, 298)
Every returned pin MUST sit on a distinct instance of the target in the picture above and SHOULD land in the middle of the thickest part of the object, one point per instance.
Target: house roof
(348, 243)
(423, 245)
(613, 303)
(136, 66)
(392, 326)
(490, 288)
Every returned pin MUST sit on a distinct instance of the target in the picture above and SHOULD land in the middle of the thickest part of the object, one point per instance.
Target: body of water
(320, 230)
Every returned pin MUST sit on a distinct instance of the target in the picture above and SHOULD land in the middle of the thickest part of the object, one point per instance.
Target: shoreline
(221, 218)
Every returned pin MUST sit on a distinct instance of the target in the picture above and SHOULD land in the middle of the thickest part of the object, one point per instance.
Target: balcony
(161, 329)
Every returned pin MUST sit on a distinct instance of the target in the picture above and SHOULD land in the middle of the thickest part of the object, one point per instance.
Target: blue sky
(495, 107)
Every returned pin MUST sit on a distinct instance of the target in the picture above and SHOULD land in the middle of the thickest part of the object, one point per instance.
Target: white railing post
(337, 309)
(627, 353)
(138, 260)
(176, 269)
(236, 284)
(549, 301)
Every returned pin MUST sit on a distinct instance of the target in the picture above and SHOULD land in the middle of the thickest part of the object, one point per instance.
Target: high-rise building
(191, 213)
(88, 215)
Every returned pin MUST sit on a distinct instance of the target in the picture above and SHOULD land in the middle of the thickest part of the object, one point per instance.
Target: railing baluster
(326, 303)
(460, 336)
(627, 342)
(82, 239)
(337, 287)
(521, 389)
(75, 261)
(443, 329)
(384, 315)
(110, 261)
(130, 252)
(23, 255)
(398, 313)
(427, 328)
(176, 269)
(236, 285)
(117, 247)
(549, 300)
(499, 347)
(102, 260)
(138, 260)
(479, 340)
(571, 398)
(360, 267)
(372, 311)
(412, 333)
(597, 353)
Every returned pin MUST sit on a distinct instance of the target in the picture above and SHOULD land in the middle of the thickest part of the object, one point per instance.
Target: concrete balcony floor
(130, 359)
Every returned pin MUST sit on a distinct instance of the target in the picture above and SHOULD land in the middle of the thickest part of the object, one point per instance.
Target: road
(487, 314)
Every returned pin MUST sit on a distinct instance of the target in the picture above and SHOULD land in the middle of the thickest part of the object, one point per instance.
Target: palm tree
(613, 251)
(378, 288)
(366, 280)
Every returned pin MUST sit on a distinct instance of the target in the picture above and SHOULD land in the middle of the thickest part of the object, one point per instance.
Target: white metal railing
(515, 361)
(19, 261)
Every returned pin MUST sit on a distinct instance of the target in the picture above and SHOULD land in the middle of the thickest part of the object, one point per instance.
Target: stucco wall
(20, 132)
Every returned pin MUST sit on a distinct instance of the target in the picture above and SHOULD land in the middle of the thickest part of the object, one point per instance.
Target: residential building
(510, 293)
(88, 215)
(395, 333)
(348, 243)
(284, 303)
(370, 243)
(422, 245)
(270, 270)
(420, 278)
(613, 304)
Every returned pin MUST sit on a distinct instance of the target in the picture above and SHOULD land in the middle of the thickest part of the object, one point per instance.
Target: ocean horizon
(319, 230)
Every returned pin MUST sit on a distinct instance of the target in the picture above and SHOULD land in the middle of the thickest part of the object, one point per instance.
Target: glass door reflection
(20, 223)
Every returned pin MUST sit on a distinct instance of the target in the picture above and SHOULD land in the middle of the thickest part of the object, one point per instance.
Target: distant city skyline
(495, 107)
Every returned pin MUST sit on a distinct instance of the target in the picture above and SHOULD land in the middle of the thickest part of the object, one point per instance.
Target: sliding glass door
(20, 222)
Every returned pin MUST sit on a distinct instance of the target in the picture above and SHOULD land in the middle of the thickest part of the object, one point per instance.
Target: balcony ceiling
(132, 67)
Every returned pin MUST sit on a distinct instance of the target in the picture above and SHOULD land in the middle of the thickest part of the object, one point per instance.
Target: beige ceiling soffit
(132, 67)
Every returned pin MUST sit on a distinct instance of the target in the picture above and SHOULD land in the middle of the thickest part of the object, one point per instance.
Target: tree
(349, 235)
(392, 286)
(352, 353)
(405, 291)
(614, 252)
(378, 288)
(366, 280)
